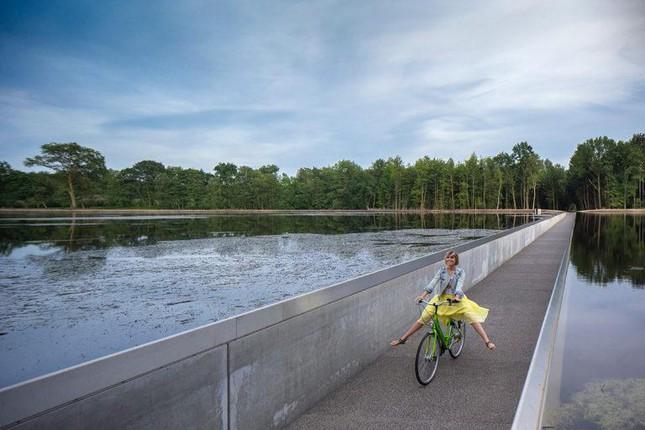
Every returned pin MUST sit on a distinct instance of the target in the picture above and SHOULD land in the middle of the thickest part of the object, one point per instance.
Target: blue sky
(308, 83)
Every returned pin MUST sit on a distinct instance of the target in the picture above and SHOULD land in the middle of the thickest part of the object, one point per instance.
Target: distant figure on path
(450, 280)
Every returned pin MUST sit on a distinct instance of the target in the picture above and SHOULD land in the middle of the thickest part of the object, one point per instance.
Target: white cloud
(416, 78)
(550, 55)
(450, 138)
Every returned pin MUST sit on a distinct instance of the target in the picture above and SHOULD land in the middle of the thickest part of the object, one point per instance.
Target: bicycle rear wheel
(458, 339)
(427, 360)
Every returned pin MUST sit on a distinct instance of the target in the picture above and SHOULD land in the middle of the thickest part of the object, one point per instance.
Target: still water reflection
(73, 289)
(598, 375)
(609, 248)
(87, 232)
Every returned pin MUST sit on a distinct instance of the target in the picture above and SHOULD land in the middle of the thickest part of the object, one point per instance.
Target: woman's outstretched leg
(482, 333)
(413, 329)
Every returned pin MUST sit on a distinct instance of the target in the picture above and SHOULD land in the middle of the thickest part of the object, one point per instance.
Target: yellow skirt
(466, 310)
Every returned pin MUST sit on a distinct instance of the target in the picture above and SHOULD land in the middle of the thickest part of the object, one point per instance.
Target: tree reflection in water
(87, 233)
(608, 248)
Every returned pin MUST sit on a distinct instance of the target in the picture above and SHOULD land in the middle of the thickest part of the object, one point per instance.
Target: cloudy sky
(308, 83)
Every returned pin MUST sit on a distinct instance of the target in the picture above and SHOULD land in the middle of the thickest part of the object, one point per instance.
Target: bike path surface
(480, 389)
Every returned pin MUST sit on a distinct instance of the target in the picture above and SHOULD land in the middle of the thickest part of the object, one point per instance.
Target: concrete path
(480, 389)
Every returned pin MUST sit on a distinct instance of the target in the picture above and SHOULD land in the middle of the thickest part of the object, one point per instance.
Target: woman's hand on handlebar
(420, 298)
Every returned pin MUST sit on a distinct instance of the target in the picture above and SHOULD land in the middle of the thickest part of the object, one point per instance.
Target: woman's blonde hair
(450, 254)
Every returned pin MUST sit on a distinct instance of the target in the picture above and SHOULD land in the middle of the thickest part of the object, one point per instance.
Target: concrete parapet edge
(57, 390)
(528, 414)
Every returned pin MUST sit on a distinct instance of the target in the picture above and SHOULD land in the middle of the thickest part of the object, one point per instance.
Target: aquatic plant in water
(610, 404)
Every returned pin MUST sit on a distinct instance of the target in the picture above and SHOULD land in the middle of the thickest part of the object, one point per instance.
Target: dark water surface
(599, 366)
(77, 288)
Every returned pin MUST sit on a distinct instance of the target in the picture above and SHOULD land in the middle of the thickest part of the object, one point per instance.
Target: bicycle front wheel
(458, 339)
(428, 354)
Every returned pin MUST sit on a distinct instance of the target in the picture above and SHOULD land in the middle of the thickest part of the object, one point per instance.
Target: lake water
(73, 289)
(598, 375)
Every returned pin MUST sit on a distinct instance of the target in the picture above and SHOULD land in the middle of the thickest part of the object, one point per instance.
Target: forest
(602, 173)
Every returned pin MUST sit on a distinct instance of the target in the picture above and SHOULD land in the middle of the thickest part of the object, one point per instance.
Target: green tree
(450, 173)
(313, 188)
(637, 168)
(528, 166)
(395, 173)
(141, 180)
(599, 165)
(287, 192)
(462, 189)
(113, 190)
(424, 181)
(495, 175)
(590, 168)
(76, 163)
(378, 184)
(554, 182)
(470, 180)
(224, 185)
(507, 165)
(267, 186)
(7, 184)
(349, 186)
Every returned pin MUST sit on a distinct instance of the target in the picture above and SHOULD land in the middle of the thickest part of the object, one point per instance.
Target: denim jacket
(441, 280)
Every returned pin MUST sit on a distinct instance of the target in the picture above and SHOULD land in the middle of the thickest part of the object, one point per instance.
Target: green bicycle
(434, 343)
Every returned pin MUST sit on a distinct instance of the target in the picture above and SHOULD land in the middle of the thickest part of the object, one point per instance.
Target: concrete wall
(257, 370)
(544, 374)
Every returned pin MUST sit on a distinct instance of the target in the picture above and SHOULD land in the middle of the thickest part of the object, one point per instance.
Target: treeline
(602, 173)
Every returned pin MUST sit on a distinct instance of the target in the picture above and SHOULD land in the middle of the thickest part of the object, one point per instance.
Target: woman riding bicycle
(448, 283)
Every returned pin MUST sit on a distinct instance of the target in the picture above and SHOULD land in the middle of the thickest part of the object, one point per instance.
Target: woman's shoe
(397, 342)
(490, 345)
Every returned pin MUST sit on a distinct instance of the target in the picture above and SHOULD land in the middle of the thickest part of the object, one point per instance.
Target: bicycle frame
(435, 326)
(434, 343)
